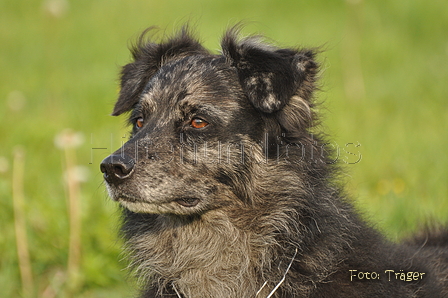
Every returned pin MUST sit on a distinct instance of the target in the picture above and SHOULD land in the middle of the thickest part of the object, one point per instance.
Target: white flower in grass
(78, 173)
(56, 8)
(68, 139)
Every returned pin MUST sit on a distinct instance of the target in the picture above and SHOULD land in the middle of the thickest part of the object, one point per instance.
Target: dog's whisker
(264, 284)
(284, 276)
(175, 290)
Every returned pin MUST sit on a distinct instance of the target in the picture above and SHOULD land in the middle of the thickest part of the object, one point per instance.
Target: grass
(384, 82)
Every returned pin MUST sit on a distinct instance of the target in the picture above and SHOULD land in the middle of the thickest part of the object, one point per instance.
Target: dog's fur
(249, 205)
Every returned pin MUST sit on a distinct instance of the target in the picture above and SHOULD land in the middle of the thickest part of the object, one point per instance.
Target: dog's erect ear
(148, 58)
(270, 76)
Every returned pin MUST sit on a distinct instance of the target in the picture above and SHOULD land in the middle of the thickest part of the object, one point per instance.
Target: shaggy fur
(228, 191)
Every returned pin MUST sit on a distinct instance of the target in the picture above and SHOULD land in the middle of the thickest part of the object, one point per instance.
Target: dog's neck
(204, 257)
(217, 255)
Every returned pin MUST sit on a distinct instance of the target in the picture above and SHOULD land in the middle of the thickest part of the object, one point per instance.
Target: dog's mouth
(172, 206)
(188, 202)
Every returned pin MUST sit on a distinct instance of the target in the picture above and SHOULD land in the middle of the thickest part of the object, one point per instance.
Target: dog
(228, 189)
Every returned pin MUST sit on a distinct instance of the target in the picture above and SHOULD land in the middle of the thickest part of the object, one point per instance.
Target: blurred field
(384, 80)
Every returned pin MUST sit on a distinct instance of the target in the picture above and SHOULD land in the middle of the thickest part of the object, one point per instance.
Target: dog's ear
(270, 76)
(148, 58)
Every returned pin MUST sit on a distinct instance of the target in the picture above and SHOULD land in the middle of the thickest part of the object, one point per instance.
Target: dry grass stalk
(20, 223)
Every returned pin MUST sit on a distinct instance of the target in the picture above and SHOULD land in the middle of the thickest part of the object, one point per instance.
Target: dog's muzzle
(117, 167)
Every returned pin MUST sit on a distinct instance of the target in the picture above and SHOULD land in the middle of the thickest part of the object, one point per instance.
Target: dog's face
(180, 124)
(199, 121)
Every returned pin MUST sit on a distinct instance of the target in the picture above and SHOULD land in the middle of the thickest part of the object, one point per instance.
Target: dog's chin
(142, 207)
(183, 206)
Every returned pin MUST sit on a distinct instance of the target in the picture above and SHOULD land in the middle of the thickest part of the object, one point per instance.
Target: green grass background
(384, 80)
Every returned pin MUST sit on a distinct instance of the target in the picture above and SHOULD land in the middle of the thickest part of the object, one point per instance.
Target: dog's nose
(117, 167)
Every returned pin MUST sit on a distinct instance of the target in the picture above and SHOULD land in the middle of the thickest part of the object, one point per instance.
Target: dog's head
(202, 123)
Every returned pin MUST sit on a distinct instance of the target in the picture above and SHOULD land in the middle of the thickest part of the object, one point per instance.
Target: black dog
(229, 191)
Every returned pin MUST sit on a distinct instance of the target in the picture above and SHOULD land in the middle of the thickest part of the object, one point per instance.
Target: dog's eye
(198, 123)
(139, 123)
